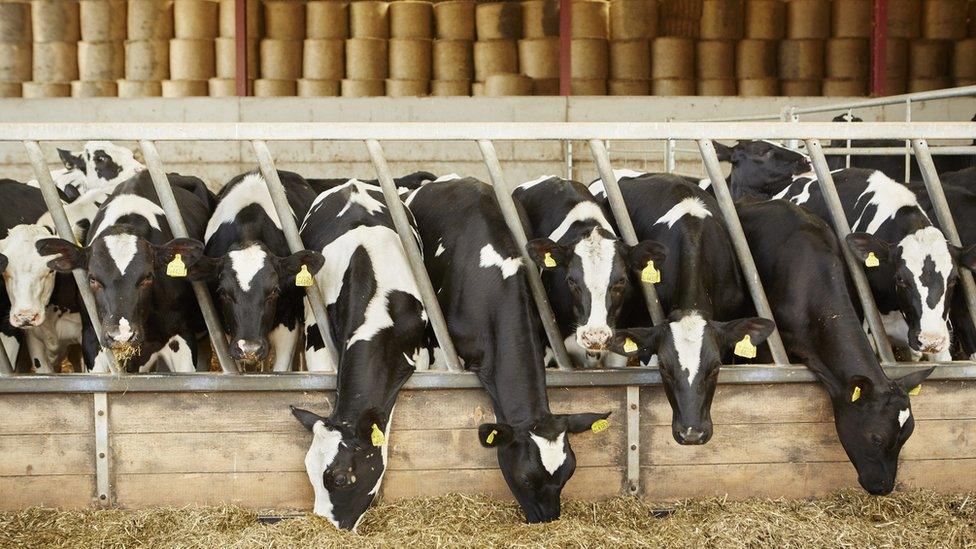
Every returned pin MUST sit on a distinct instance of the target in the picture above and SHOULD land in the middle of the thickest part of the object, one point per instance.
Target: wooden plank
(45, 413)
(46, 491)
(27, 455)
(588, 483)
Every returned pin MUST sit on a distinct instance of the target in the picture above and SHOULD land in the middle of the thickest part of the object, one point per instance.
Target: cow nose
(933, 342)
(120, 335)
(250, 349)
(691, 436)
(594, 338)
(26, 317)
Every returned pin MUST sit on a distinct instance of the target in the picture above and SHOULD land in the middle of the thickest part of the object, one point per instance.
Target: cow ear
(71, 161)
(865, 244)
(965, 257)
(724, 152)
(914, 379)
(205, 268)
(580, 423)
(306, 418)
(190, 251)
(734, 331)
(859, 389)
(632, 341)
(292, 265)
(645, 251)
(3, 263)
(546, 253)
(493, 435)
(70, 256)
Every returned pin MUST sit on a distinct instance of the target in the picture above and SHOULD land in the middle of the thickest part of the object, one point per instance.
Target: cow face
(345, 464)
(922, 268)
(873, 422)
(107, 164)
(538, 460)
(122, 274)
(762, 168)
(690, 350)
(596, 273)
(249, 279)
(29, 279)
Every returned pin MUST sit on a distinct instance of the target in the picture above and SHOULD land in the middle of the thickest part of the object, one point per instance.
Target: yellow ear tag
(745, 348)
(548, 261)
(916, 390)
(629, 345)
(491, 437)
(871, 260)
(600, 425)
(176, 268)
(304, 278)
(856, 394)
(650, 274)
(377, 436)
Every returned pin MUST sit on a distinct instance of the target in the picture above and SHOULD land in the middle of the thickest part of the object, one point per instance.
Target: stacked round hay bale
(411, 48)
(192, 57)
(15, 47)
(224, 84)
(324, 64)
(943, 22)
(453, 50)
(101, 52)
(673, 66)
(590, 47)
(367, 49)
(498, 26)
(801, 55)
(680, 18)
(281, 48)
(149, 30)
(964, 62)
(722, 25)
(538, 50)
(756, 65)
(848, 52)
(633, 24)
(56, 31)
(929, 64)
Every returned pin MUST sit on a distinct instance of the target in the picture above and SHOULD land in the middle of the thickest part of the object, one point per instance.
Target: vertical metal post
(944, 215)
(626, 225)
(103, 485)
(507, 206)
(741, 246)
(414, 256)
(850, 119)
(670, 163)
(175, 219)
(569, 160)
(633, 440)
(908, 143)
(789, 115)
(288, 226)
(240, 22)
(49, 191)
(843, 228)
(565, 49)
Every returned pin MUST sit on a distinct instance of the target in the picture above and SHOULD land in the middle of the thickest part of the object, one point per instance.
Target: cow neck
(907, 221)
(691, 280)
(742, 187)
(844, 350)
(368, 378)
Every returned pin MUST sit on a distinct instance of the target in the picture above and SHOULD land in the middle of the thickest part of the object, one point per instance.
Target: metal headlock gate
(484, 134)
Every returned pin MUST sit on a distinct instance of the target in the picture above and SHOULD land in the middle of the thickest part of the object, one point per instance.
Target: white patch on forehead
(529, 184)
(129, 204)
(888, 196)
(360, 196)
(491, 258)
(688, 334)
(447, 177)
(246, 263)
(320, 455)
(691, 206)
(252, 189)
(928, 242)
(584, 211)
(903, 417)
(122, 248)
(551, 452)
(596, 254)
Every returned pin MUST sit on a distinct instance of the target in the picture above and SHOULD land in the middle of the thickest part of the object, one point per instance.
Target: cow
(587, 269)
(911, 268)
(476, 268)
(99, 165)
(379, 325)
(700, 287)
(128, 252)
(251, 271)
(800, 265)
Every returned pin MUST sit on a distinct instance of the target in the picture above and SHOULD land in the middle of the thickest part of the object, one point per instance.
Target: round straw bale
(590, 19)
(102, 20)
(896, 54)
(590, 58)
(11, 89)
(629, 87)
(673, 86)
(494, 56)
(588, 86)
(228, 17)
(765, 21)
(410, 19)
(226, 57)
(539, 57)
(368, 19)
(629, 60)
(318, 88)
(545, 86)
(281, 59)
(454, 20)
(89, 88)
(715, 59)
(410, 59)
(325, 20)
(324, 60)
(366, 59)
(16, 62)
(185, 88)
(672, 57)
(477, 89)
(149, 19)
(450, 87)
(717, 86)
(964, 59)
(851, 18)
(801, 88)
(363, 88)
(55, 21)
(498, 20)
(944, 19)
(146, 60)
(632, 20)
(916, 85)
(960, 82)
(195, 19)
(801, 59)
(266, 87)
(808, 19)
(722, 20)
(38, 90)
(681, 9)
(222, 87)
(55, 62)
(501, 84)
(15, 24)
(904, 18)
(283, 20)
(191, 60)
(844, 87)
(756, 59)
(540, 18)
(848, 58)
(679, 28)
(758, 87)
(929, 59)
(140, 88)
(407, 88)
(101, 61)
(453, 60)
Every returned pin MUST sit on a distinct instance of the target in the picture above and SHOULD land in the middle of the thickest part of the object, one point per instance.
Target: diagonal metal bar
(290, 228)
(741, 246)
(507, 205)
(414, 256)
(175, 219)
(843, 228)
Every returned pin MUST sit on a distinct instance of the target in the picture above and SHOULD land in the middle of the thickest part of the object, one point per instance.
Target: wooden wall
(245, 447)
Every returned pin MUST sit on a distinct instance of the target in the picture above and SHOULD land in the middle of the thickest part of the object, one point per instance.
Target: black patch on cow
(174, 345)
(931, 279)
(313, 338)
(37, 364)
(105, 166)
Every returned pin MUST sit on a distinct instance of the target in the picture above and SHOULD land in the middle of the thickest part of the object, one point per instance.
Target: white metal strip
(103, 485)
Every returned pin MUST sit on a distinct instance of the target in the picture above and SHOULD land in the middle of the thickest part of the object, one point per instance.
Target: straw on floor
(847, 519)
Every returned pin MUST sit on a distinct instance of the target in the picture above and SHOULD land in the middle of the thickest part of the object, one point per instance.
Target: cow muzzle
(692, 435)
(26, 318)
(249, 351)
(119, 336)
(593, 338)
(933, 342)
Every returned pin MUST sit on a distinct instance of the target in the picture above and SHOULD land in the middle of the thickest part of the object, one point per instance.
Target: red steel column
(879, 43)
(241, 43)
(565, 42)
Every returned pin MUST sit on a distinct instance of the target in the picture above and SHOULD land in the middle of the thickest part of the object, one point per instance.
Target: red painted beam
(565, 47)
(241, 45)
(879, 45)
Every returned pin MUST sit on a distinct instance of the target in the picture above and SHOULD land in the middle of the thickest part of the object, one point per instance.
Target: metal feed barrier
(484, 134)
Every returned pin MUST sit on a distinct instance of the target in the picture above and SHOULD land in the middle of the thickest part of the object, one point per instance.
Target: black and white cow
(379, 325)
(251, 270)
(916, 269)
(799, 262)
(128, 249)
(702, 289)
(588, 275)
(99, 165)
(477, 269)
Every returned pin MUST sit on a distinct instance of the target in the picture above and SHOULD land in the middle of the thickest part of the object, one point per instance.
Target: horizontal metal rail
(894, 150)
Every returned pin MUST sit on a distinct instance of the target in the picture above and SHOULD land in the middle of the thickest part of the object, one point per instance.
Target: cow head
(107, 164)
(923, 271)
(122, 273)
(249, 280)
(690, 350)
(762, 168)
(345, 464)
(537, 459)
(29, 279)
(596, 270)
